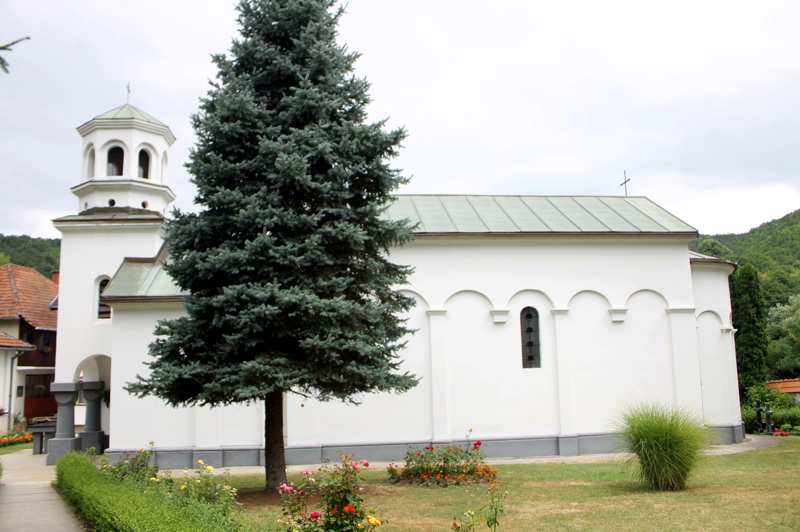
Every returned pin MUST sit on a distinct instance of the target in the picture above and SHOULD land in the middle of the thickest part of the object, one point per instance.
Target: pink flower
(361, 489)
(355, 465)
(315, 515)
(287, 489)
(365, 463)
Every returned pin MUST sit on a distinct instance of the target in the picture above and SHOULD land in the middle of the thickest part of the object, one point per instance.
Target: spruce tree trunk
(274, 457)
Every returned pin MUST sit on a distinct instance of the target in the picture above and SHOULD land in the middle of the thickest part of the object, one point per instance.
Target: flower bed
(445, 465)
(15, 437)
(343, 508)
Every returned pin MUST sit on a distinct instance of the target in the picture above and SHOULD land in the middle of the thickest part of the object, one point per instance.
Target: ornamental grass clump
(444, 466)
(667, 441)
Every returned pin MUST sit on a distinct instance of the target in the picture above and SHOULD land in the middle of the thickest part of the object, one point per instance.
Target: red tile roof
(786, 385)
(27, 293)
(9, 342)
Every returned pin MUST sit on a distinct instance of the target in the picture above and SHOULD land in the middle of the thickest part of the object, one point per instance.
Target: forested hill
(772, 247)
(41, 254)
(771, 244)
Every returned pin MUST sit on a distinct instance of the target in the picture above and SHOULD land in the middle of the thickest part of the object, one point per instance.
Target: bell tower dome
(125, 161)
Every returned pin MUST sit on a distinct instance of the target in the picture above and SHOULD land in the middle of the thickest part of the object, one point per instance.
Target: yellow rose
(200, 462)
(209, 468)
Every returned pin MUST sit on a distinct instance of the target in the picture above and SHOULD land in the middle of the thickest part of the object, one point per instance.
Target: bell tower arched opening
(116, 161)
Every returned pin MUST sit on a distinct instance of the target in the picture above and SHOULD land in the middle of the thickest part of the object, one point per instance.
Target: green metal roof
(141, 278)
(146, 278)
(128, 111)
(534, 214)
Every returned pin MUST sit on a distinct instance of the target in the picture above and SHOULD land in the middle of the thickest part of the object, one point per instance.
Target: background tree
(714, 248)
(750, 318)
(783, 330)
(291, 288)
(41, 254)
(7, 48)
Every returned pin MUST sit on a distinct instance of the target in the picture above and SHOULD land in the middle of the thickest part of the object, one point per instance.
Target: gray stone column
(66, 393)
(92, 435)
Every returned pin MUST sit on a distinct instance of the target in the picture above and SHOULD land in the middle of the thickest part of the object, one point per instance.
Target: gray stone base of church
(725, 435)
(564, 445)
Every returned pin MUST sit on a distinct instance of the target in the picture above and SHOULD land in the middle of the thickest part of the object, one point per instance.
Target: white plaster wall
(559, 267)
(88, 253)
(475, 378)
(711, 346)
(711, 289)
(715, 344)
(380, 418)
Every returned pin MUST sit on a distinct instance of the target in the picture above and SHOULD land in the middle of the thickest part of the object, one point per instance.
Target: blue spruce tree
(287, 263)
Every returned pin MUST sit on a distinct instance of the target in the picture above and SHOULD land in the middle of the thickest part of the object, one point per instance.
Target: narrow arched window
(90, 164)
(103, 310)
(144, 164)
(116, 158)
(531, 352)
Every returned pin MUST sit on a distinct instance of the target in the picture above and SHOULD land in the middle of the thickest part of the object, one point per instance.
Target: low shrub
(779, 418)
(112, 505)
(444, 466)
(667, 441)
(343, 508)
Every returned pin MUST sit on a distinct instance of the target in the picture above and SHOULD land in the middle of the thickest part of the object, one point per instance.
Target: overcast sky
(696, 100)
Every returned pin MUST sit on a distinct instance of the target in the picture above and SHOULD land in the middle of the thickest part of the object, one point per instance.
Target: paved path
(29, 503)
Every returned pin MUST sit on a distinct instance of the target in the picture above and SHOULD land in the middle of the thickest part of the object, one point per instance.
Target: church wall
(88, 253)
(720, 383)
(380, 418)
(618, 364)
(467, 352)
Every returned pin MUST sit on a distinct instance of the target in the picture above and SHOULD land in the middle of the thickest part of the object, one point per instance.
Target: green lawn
(757, 490)
(16, 447)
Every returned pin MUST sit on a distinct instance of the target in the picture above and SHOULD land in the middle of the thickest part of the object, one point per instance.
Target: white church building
(539, 319)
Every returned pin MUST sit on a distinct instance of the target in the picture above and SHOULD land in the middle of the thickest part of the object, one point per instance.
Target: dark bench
(41, 434)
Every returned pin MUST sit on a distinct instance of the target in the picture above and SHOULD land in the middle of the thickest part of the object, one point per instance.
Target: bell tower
(123, 198)
(125, 161)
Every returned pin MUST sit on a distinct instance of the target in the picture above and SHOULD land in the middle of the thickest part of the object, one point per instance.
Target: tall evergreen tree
(291, 287)
(750, 318)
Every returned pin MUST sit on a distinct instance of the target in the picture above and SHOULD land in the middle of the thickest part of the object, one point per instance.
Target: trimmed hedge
(119, 506)
(790, 416)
